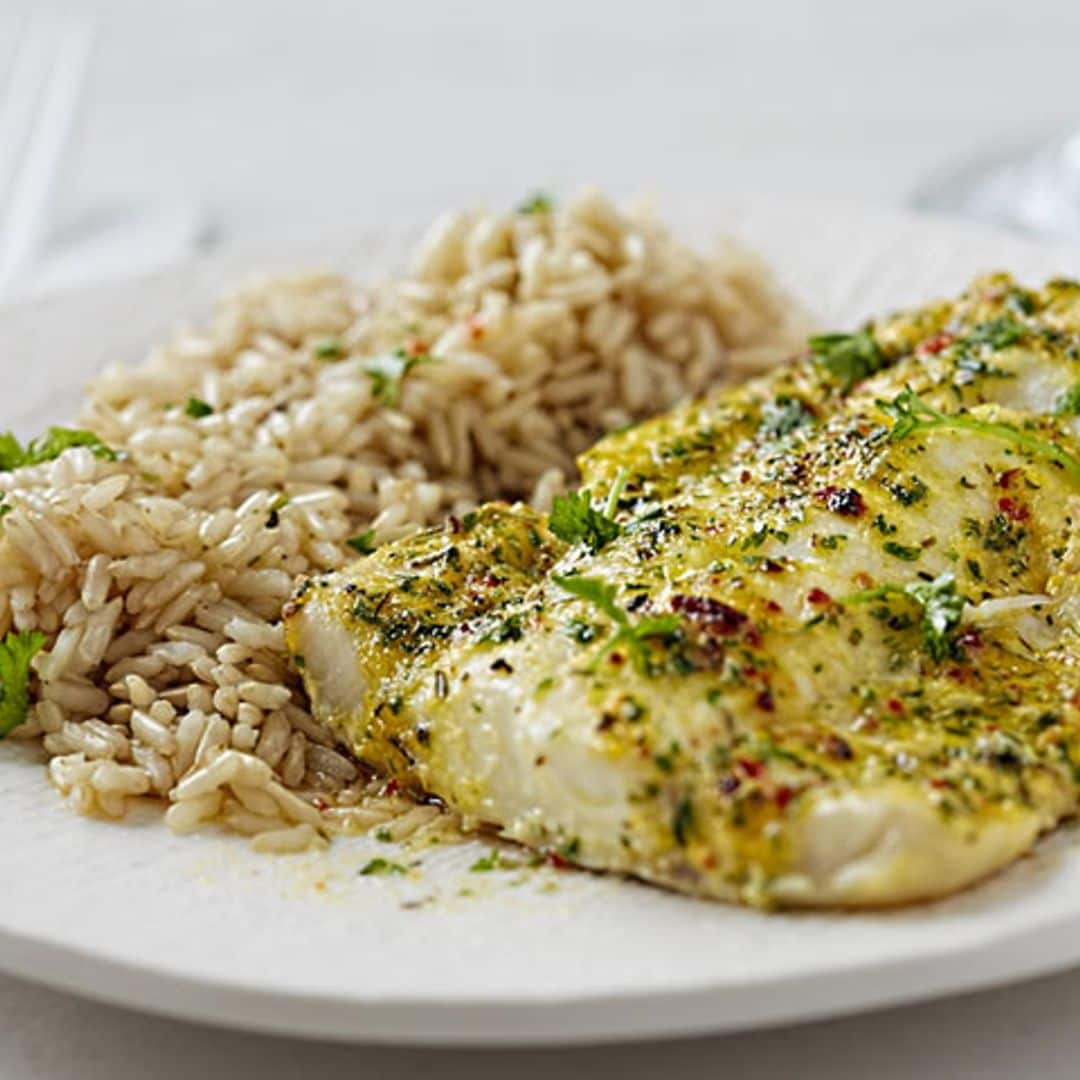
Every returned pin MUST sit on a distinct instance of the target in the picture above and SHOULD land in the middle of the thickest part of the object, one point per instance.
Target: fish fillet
(808, 642)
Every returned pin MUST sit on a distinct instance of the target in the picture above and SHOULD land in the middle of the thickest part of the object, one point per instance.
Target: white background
(272, 113)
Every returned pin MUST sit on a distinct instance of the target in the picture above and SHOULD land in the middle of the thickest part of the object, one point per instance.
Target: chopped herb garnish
(16, 652)
(539, 203)
(329, 349)
(196, 408)
(941, 607)
(635, 636)
(683, 821)
(849, 358)
(998, 333)
(382, 866)
(364, 544)
(49, 447)
(1068, 402)
(912, 415)
(783, 415)
(899, 551)
(575, 520)
(494, 860)
(388, 372)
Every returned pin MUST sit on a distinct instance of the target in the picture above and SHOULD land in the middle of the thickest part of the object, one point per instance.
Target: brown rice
(335, 410)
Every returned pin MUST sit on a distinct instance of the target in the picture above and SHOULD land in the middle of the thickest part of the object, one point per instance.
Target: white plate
(202, 928)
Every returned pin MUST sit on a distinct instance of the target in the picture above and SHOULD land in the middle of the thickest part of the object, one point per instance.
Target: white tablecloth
(270, 112)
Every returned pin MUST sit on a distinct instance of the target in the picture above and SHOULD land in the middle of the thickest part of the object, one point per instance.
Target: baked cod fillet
(808, 642)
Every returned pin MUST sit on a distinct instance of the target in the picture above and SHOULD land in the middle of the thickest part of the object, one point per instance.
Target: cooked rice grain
(513, 343)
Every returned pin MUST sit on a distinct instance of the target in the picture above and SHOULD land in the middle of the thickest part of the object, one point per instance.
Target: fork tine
(58, 47)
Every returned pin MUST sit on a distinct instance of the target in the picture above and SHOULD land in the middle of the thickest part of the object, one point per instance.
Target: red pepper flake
(1013, 510)
(844, 501)
(838, 748)
(992, 728)
(320, 803)
(392, 787)
(895, 705)
(937, 343)
(416, 347)
(1074, 701)
(715, 616)
(475, 327)
(709, 862)
(752, 637)
(1005, 479)
(752, 768)
(773, 606)
(771, 566)
(617, 659)
(818, 597)
(863, 580)
(744, 476)
(765, 702)
(939, 782)
(969, 638)
(783, 795)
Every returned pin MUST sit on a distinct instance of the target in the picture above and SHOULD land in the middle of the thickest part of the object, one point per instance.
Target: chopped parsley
(575, 520)
(783, 415)
(196, 408)
(539, 203)
(494, 860)
(1068, 402)
(329, 349)
(940, 603)
(364, 544)
(998, 333)
(634, 636)
(16, 652)
(849, 358)
(911, 415)
(48, 447)
(380, 867)
(388, 372)
(683, 821)
(899, 551)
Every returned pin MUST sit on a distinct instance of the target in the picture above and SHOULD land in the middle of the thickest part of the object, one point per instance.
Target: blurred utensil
(1035, 189)
(37, 113)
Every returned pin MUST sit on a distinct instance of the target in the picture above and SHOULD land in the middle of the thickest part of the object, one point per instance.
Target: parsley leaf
(388, 372)
(911, 414)
(849, 358)
(382, 867)
(782, 416)
(575, 520)
(48, 447)
(364, 543)
(16, 652)
(941, 607)
(634, 636)
(196, 408)
(537, 204)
